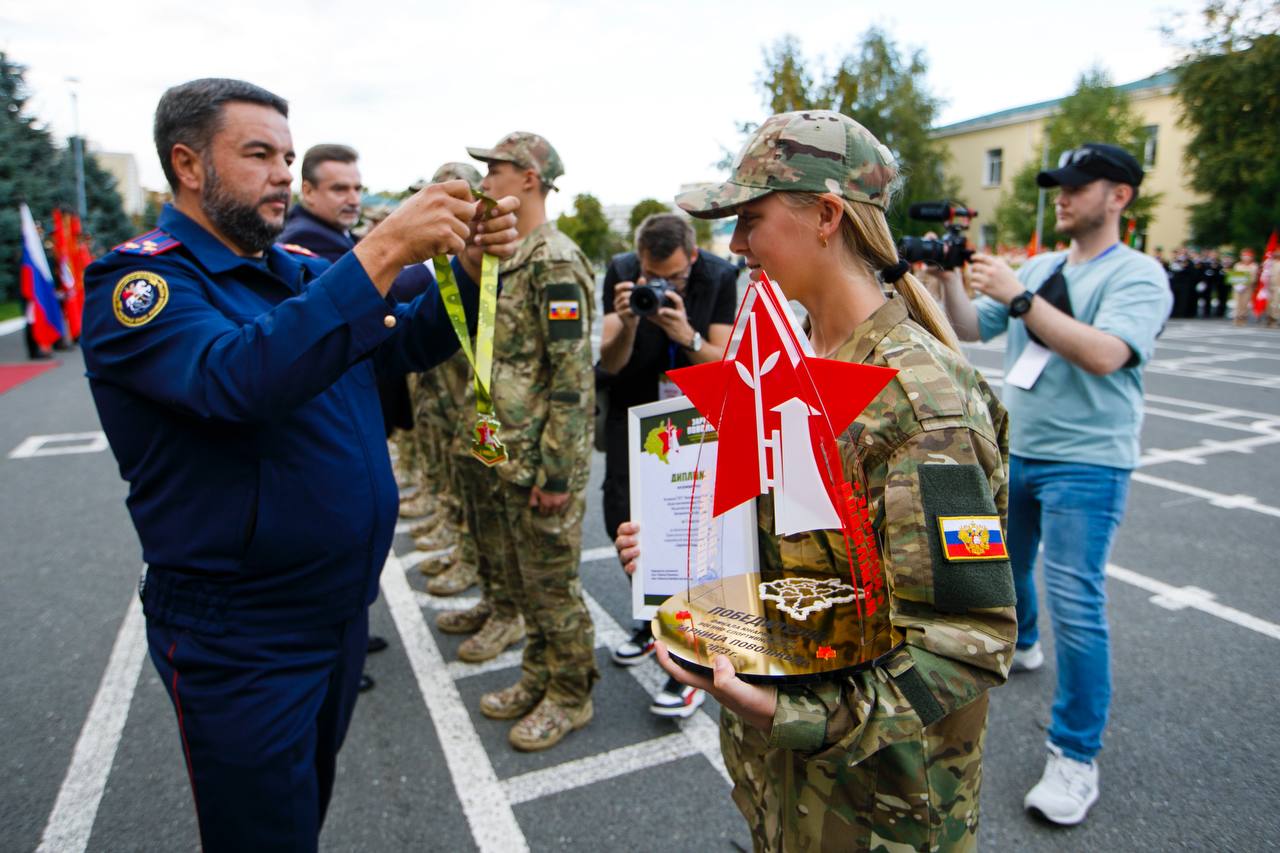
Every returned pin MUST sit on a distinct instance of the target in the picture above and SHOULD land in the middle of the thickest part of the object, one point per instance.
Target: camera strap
(1054, 291)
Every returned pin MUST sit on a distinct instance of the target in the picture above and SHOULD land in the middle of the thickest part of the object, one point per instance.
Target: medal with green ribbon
(485, 444)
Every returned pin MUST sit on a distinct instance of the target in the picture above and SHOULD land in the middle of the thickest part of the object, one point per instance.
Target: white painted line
(8, 327)
(71, 821)
(591, 555)
(404, 526)
(413, 558)
(1195, 598)
(596, 768)
(703, 733)
(493, 824)
(62, 444)
(460, 669)
(1215, 498)
(1207, 447)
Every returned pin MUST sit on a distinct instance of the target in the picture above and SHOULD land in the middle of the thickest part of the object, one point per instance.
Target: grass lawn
(9, 310)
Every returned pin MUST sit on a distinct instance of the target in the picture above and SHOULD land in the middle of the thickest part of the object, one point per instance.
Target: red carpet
(13, 375)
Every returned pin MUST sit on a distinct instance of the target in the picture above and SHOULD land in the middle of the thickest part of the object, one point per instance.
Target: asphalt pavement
(92, 759)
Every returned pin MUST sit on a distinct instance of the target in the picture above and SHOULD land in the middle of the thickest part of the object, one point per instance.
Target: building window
(1152, 132)
(994, 167)
(987, 237)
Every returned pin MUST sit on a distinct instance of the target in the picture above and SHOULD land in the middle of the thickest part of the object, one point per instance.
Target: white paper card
(1027, 369)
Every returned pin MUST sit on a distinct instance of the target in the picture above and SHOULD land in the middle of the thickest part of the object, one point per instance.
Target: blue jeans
(1074, 510)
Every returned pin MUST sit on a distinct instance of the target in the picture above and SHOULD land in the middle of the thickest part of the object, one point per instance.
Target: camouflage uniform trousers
(802, 803)
(435, 461)
(483, 539)
(540, 568)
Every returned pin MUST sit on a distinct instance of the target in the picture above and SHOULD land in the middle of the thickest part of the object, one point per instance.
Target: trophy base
(794, 627)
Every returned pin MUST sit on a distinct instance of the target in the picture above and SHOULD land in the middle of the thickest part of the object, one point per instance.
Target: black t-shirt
(710, 296)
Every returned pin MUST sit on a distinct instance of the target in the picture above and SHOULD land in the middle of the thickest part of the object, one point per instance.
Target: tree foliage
(644, 209)
(1096, 111)
(881, 88)
(36, 170)
(1230, 101)
(589, 228)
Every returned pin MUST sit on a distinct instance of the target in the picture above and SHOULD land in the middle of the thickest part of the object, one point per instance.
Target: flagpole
(77, 149)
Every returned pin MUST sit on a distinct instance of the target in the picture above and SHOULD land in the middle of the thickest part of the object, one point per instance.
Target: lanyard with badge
(485, 444)
(1035, 356)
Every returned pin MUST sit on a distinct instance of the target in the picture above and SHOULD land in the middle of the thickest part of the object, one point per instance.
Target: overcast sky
(638, 97)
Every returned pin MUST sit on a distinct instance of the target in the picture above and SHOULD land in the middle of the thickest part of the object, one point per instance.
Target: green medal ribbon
(485, 444)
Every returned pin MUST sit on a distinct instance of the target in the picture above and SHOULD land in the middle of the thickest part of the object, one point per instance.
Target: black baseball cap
(1091, 161)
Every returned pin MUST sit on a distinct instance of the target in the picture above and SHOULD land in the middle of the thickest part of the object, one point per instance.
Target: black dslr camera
(647, 298)
(952, 250)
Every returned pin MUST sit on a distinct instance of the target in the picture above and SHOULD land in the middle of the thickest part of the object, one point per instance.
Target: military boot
(547, 725)
(496, 636)
(426, 526)
(459, 577)
(443, 535)
(464, 621)
(511, 702)
(438, 564)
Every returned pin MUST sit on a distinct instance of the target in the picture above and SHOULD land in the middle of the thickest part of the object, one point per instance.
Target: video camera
(647, 298)
(952, 250)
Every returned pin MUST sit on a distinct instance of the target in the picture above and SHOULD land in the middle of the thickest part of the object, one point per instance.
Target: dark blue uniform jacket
(243, 413)
(304, 228)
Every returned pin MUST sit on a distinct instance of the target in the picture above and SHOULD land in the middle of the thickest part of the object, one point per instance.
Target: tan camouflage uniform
(543, 390)
(888, 758)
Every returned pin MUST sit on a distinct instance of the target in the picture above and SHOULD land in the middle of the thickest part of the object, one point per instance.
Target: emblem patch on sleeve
(972, 537)
(139, 297)
(562, 309)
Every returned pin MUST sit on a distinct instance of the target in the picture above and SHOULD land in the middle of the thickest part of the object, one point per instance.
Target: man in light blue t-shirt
(1081, 325)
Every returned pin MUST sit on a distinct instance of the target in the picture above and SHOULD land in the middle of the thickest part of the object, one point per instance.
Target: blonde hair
(869, 244)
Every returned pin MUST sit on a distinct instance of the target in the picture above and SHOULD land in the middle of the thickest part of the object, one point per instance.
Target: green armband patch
(572, 397)
(564, 311)
(970, 560)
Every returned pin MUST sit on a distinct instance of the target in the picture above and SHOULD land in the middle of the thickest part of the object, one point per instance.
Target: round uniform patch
(138, 298)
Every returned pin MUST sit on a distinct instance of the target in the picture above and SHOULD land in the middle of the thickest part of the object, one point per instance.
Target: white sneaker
(677, 700)
(1028, 659)
(1066, 790)
(636, 649)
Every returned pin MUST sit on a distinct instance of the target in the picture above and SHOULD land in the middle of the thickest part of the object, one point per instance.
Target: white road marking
(1195, 598)
(71, 821)
(1215, 498)
(427, 601)
(8, 327)
(596, 768)
(413, 558)
(62, 444)
(493, 824)
(1207, 447)
(592, 555)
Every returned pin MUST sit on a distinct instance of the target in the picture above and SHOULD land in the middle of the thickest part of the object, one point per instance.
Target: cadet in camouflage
(888, 757)
(543, 395)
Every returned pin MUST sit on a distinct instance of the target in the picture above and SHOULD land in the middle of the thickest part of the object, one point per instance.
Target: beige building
(988, 151)
(124, 168)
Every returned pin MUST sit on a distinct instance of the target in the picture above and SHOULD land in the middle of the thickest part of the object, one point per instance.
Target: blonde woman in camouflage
(888, 756)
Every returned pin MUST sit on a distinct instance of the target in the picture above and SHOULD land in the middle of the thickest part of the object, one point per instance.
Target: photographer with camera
(666, 305)
(1081, 325)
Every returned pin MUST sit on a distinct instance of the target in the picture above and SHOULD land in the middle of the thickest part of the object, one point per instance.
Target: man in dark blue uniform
(331, 190)
(235, 382)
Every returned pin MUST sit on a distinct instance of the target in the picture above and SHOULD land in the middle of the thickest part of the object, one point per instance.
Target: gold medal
(485, 444)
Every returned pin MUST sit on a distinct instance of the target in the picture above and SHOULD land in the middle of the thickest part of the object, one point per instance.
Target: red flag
(37, 285)
(1033, 247)
(79, 258)
(1264, 266)
(1131, 233)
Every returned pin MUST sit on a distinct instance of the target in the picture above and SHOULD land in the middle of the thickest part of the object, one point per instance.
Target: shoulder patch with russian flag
(154, 242)
(562, 309)
(972, 537)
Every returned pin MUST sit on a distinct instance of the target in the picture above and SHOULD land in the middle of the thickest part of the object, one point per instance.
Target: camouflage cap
(458, 172)
(814, 151)
(526, 150)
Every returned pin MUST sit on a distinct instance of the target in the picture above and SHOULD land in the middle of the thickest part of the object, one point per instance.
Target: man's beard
(1084, 225)
(241, 223)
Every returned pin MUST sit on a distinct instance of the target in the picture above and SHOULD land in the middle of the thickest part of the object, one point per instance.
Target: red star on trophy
(777, 409)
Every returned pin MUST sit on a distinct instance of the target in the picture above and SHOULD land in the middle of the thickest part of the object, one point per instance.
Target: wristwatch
(695, 344)
(1021, 303)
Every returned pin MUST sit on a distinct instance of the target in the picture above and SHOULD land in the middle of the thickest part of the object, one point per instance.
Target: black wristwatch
(1021, 303)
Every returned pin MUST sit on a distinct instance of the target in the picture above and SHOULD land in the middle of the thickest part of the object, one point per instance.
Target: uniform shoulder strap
(154, 242)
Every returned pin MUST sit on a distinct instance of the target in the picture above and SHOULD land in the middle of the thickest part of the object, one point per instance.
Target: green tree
(644, 209)
(881, 88)
(1231, 106)
(105, 220)
(1096, 111)
(589, 228)
(28, 172)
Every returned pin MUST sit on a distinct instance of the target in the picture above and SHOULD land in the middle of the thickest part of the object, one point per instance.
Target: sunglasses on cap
(1085, 156)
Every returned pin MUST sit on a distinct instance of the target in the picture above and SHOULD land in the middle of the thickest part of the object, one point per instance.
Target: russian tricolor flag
(975, 537)
(43, 311)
